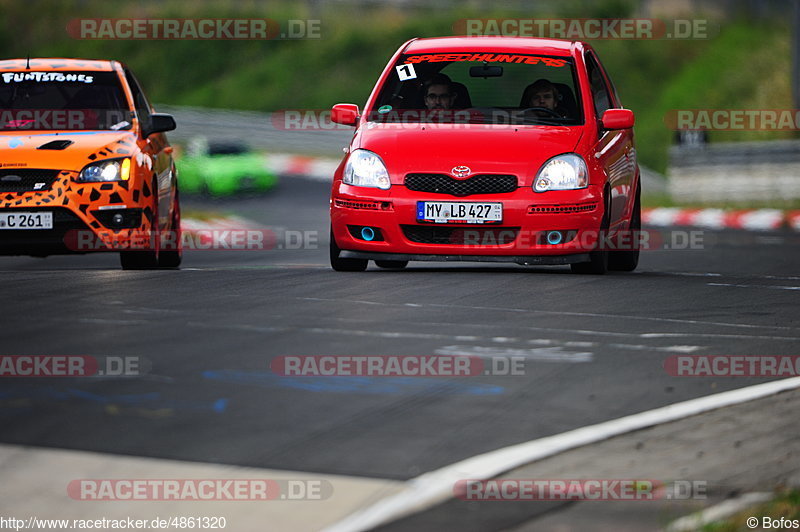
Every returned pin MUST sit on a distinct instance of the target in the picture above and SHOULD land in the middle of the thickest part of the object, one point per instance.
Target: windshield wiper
(545, 121)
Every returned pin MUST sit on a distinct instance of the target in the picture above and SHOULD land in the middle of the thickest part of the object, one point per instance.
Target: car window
(227, 148)
(139, 100)
(68, 100)
(480, 87)
(601, 95)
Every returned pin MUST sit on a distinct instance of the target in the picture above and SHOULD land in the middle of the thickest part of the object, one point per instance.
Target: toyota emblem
(460, 171)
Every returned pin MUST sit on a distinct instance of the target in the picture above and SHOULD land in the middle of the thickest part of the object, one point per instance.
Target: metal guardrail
(735, 171)
(736, 153)
(255, 129)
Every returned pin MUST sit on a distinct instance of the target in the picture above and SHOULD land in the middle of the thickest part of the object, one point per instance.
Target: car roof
(58, 64)
(491, 44)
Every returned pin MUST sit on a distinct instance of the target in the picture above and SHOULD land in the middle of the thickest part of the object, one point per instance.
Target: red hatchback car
(501, 149)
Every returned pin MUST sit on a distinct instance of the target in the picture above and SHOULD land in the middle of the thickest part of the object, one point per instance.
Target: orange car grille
(26, 179)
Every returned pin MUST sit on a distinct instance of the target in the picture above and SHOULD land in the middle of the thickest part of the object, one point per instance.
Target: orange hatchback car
(84, 164)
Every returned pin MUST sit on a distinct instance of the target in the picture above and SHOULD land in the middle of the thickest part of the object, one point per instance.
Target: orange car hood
(20, 150)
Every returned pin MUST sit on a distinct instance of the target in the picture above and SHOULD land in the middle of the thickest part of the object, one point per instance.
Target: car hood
(22, 150)
(438, 148)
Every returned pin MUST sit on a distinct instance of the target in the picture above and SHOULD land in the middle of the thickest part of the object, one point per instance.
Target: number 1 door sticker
(406, 72)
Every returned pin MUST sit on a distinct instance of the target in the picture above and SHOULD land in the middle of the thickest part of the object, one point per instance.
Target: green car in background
(222, 169)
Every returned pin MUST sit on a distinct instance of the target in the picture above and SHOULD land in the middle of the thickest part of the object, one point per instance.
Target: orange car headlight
(108, 170)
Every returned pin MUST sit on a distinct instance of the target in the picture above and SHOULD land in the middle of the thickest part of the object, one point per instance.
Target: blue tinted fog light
(367, 233)
(554, 237)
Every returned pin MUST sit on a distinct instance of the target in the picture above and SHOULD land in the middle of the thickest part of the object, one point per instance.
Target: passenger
(439, 93)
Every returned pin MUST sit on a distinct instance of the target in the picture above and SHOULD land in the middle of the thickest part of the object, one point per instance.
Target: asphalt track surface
(594, 346)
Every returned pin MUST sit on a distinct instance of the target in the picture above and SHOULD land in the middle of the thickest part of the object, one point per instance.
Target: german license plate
(442, 212)
(26, 220)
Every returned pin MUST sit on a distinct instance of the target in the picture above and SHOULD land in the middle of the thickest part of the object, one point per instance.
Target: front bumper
(83, 217)
(525, 260)
(520, 237)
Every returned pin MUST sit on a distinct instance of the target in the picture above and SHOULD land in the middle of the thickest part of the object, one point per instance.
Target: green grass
(786, 504)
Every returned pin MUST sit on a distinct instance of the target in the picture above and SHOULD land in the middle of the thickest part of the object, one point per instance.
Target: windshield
(31, 101)
(478, 87)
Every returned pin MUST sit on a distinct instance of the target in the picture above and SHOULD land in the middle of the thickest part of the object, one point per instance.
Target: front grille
(26, 179)
(460, 236)
(478, 184)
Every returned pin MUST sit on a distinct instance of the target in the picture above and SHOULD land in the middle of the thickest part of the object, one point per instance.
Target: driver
(541, 93)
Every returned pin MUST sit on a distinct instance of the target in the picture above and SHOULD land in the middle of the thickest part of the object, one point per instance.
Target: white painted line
(556, 313)
(331, 331)
(435, 487)
(691, 274)
(541, 354)
(717, 512)
(710, 335)
(105, 321)
(755, 286)
(668, 349)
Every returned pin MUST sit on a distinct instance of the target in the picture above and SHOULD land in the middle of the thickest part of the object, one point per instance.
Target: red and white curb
(219, 223)
(751, 219)
(316, 168)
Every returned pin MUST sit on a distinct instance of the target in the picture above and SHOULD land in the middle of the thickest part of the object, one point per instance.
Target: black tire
(138, 260)
(144, 259)
(172, 254)
(627, 260)
(597, 265)
(391, 264)
(345, 265)
(598, 259)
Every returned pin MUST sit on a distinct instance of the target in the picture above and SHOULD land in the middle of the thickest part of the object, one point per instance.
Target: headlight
(366, 169)
(108, 170)
(562, 172)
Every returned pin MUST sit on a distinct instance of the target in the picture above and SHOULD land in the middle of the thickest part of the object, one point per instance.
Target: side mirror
(618, 119)
(159, 122)
(345, 114)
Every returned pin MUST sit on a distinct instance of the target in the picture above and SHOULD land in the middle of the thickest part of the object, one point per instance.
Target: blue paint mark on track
(144, 400)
